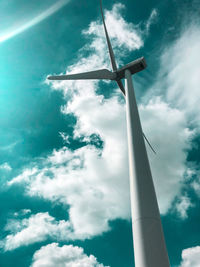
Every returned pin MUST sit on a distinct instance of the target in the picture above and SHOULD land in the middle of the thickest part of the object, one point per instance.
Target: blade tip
(50, 77)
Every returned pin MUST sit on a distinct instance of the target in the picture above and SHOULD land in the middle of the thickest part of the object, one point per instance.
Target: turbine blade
(111, 53)
(149, 144)
(91, 75)
(120, 84)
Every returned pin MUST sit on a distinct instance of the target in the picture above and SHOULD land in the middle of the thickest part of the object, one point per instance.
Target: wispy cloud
(5, 166)
(45, 14)
(178, 84)
(151, 20)
(183, 75)
(168, 131)
(182, 206)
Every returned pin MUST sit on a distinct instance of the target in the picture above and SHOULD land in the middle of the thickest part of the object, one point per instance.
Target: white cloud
(191, 257)
(183, 205)
(123, 35)
(36, 228)
(178, 82)
(179, 74)
(94, 186)
(24, 176)
(151, 20)
(5, 166)
(65, 256)
(196, 186)
(195, 178)
(22, 212)
(65, 137)
(126, 34)
(167, 129)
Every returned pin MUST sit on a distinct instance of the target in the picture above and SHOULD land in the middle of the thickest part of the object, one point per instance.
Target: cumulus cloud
(93, 184)
(126, 34)
(65, 256)
(36, 228)
(191, 257)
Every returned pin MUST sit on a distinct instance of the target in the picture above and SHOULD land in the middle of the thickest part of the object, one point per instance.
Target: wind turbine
(149, 244)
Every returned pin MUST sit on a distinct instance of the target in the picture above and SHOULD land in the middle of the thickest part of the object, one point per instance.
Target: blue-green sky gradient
(33, 123)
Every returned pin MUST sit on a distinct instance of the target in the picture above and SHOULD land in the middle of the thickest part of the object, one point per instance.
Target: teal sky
(63, 171)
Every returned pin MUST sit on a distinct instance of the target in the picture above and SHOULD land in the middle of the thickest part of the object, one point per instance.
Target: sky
(64, 180)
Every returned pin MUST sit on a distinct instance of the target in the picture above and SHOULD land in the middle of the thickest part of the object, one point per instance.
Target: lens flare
(45, 14)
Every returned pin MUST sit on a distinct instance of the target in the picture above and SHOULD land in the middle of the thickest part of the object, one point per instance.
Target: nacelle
(134, 67)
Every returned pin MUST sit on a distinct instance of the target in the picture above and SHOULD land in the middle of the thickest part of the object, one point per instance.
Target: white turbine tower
(149, 244)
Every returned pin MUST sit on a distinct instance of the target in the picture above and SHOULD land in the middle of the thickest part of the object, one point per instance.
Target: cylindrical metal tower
(149, 244)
